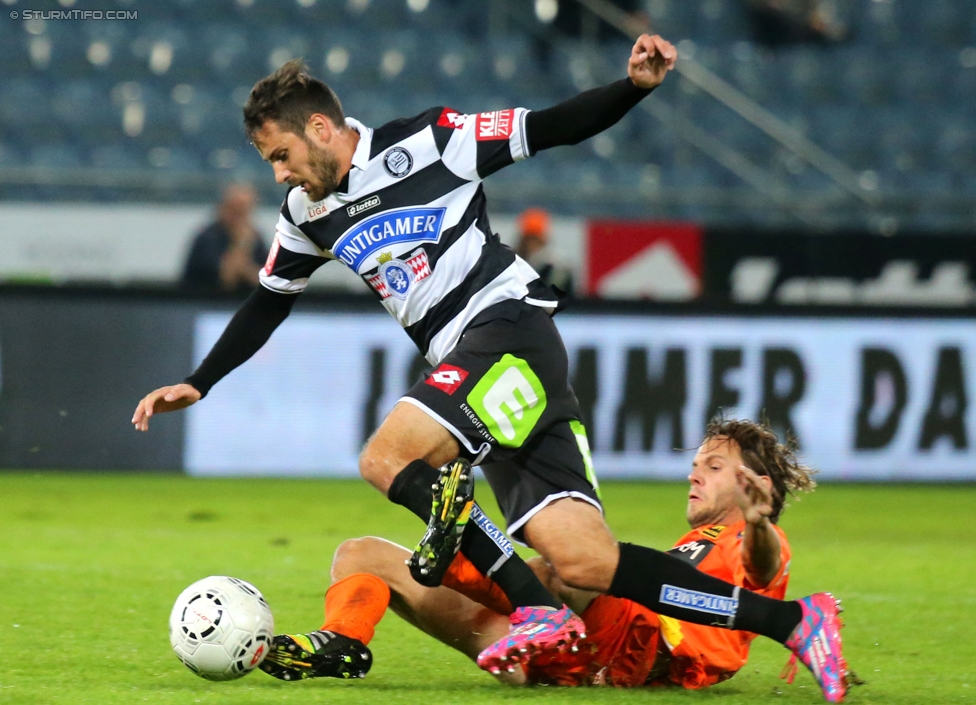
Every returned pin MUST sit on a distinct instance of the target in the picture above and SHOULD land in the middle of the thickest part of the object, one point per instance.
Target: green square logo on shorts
(509, 399)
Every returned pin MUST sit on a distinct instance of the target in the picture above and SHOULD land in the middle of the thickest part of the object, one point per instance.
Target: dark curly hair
(289, 97)
(763, 454)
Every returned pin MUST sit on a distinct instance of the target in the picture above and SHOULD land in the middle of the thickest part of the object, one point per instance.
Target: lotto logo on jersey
(451, 118)
(496, 125)
(447, 378)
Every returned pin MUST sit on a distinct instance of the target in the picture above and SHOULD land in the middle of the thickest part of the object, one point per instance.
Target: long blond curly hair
(763, 453)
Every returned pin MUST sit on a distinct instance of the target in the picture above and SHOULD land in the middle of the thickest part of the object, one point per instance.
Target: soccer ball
(221, 628)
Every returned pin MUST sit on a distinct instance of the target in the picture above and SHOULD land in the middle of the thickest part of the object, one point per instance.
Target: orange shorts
(621, 649)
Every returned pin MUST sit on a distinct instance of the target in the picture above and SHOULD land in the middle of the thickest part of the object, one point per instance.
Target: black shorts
(504, 394)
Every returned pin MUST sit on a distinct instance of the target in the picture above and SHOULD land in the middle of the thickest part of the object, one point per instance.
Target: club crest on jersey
(447, 378)
(398, 162)
(496, 125)
(395, 277)
(385, 230)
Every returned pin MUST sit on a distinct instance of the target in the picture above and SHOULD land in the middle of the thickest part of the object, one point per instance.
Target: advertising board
(867, 398)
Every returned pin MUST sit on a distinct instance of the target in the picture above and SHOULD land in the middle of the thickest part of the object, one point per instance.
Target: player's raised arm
(760, 543)
(246, 333)
(595, 110)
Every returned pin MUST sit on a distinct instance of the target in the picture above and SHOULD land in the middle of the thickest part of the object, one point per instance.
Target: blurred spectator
(228, 253)
(783, 22)
(532, 246)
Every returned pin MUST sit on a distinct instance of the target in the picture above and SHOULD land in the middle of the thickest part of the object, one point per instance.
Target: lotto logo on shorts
(447, 378)
(496, 125)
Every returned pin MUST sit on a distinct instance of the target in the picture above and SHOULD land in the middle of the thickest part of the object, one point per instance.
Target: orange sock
(464, 578)
(355, 605)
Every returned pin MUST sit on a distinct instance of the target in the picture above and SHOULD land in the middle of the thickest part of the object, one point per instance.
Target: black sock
(674, 588)
(482, 542)
(493, 554)
(413, 488)
(764, 615)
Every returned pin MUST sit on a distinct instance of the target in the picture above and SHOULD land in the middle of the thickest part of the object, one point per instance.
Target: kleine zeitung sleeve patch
(496, 125)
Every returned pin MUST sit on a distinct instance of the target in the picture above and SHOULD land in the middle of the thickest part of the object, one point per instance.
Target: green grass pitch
(91, 564)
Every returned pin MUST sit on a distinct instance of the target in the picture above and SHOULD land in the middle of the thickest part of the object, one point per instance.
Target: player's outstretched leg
(534, 630)
(319, 654)
(449, 513)
(816, 643)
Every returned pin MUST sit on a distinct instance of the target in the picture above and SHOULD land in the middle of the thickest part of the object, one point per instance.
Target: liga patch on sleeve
(496, 125)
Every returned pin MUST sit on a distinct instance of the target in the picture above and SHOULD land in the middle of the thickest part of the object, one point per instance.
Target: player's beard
(702, 513)
(325, 172)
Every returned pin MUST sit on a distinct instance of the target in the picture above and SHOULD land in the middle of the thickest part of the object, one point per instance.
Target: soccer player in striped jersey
(403, 206)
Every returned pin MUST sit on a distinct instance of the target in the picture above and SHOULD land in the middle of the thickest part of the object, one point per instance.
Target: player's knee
(582, 571)
(374, 466)
(353, 556)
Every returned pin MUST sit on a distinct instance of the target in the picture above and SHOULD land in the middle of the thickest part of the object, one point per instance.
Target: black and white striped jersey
(412, 222)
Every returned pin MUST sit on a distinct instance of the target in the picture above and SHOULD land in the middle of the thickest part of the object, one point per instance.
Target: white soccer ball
(221, 628)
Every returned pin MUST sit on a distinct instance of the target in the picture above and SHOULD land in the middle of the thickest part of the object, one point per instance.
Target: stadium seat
(867, 78)
(933, 22)
(55, 156)
(15, 54)
(721, 22)
(10, 155)
(955, 145)
(814, 75)
(906, 144)
(674, 18)
(924, 76)
(839, 130)
(177, 78)
(115, 156)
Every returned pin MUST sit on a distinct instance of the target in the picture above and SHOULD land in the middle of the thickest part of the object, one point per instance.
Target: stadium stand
(98, 109)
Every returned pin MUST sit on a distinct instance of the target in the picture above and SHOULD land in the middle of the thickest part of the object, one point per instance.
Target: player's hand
(753, 496)
(650, 60)
(176, 396)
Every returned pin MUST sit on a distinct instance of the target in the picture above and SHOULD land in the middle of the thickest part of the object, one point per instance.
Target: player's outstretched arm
(246, 333)
(597, 109)
(760, 543)
(171, 398)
